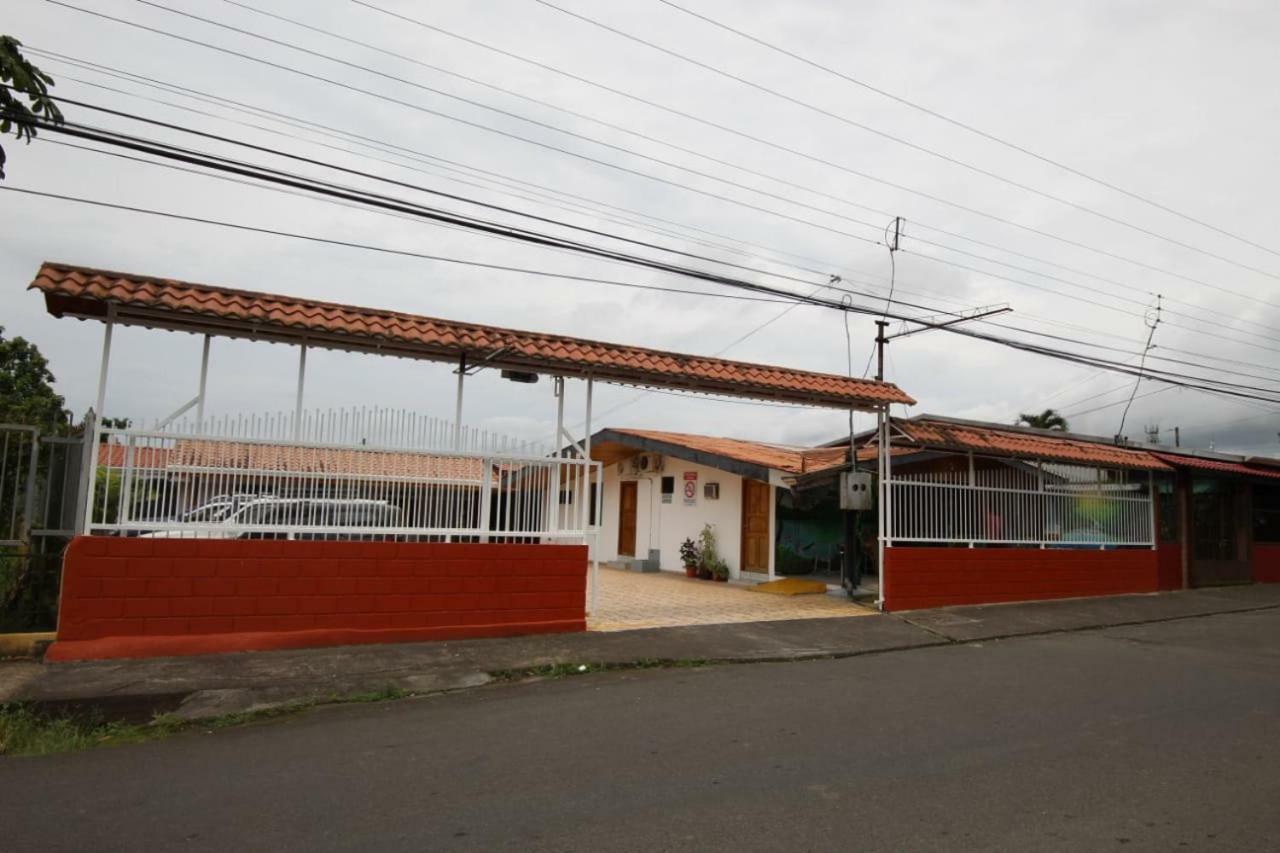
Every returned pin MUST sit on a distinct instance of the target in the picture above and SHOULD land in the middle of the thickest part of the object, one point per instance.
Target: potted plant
(708, 559)
(719, 570)
(689, 557)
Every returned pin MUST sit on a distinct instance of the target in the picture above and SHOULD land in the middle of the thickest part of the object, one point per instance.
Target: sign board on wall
(690, 488)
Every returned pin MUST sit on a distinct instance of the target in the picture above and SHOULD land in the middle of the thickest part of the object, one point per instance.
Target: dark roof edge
(688, 454)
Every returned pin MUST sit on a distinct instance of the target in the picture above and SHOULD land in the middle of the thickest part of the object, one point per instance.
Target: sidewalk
(211, 685)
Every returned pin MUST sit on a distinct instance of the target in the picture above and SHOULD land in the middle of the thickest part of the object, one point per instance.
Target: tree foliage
(26, 387)
(21, 78)
(1048, 419)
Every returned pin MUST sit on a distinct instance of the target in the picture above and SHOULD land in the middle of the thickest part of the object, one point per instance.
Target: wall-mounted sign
(690, 488)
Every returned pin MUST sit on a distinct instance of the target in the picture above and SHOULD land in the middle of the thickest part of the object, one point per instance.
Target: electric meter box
(855, 490)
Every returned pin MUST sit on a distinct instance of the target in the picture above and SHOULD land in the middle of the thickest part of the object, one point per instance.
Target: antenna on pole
(1151, 319)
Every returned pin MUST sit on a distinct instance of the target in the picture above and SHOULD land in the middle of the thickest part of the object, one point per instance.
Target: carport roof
(182, 306)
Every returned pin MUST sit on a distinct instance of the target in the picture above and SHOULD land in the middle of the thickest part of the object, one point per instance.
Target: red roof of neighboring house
(1037, 445)
(113, 456)
(1222, 466)
(191, 456)
(779, 457)
(165, 303)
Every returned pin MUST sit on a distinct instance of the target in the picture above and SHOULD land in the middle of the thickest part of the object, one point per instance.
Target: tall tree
(26, 387)
(1048, 419)
(22, 79)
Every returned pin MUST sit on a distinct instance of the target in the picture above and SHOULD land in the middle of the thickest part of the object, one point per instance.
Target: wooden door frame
(635, 515)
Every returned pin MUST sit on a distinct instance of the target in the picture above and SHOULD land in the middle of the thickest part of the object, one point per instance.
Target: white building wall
(664, 526)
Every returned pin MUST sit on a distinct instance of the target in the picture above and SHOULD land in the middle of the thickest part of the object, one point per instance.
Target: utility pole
(881, 340)
(1177, 437)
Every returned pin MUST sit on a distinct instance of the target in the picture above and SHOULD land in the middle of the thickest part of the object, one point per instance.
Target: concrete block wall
(132, 597)
(939, 577)
(1265, 561)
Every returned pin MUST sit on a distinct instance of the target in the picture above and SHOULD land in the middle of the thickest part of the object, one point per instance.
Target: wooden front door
(755, 526)
(627, 506)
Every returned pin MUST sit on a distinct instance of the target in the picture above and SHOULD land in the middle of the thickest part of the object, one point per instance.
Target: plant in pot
(707, 556)
(719, 570)
(690, 557)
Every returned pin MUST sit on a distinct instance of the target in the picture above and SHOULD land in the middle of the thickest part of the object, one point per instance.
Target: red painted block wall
(1265, 562)
(937, 577)
(133, 597)
(1169, 557)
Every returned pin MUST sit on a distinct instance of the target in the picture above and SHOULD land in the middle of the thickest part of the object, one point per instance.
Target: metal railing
(1021, 502)
(358, 474)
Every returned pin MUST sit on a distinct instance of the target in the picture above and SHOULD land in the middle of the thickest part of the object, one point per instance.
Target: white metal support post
(297, 403)
(93, 425)
(457, 409)
(106, 360)
(204, 381)
(882, 445)
(594, 544)
(1151, 494)
(553, 511)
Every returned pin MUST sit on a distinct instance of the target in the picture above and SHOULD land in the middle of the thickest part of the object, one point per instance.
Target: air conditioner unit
(646, 463)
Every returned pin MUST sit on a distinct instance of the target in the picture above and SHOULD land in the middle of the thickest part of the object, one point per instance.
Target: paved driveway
(628, 600)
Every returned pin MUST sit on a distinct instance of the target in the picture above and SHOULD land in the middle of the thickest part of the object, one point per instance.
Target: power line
(686, 187)
(640, 135)
(968, 127)
(816, 159)
(900, 140)
(637, 242)
(1235, 389)
(295, 181)
(349, 244)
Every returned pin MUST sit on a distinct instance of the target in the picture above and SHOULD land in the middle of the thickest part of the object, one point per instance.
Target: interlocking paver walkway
(628, 600)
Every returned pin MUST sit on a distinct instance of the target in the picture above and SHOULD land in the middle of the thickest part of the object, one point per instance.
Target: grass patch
(26, 730)
(566, 670)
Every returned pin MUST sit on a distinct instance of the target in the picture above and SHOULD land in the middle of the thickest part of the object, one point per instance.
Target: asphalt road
(1157, 737)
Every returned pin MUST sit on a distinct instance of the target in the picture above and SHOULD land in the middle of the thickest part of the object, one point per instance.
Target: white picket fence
(1024, 503)
(359, 473)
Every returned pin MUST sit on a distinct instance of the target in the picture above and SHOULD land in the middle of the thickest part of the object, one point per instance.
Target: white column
(457, 409)
(204, 379)
(297, 405)
(106, 360)
(589, 504)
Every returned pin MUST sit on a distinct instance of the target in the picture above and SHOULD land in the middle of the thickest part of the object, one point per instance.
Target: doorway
(756, 500)
(627, 508)
(1219, 548)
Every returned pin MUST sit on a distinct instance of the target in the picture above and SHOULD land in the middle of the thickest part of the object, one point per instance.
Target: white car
(279, 517)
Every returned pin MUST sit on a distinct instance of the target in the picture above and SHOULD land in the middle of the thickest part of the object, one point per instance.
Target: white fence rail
(366, 474)
(1022, 503)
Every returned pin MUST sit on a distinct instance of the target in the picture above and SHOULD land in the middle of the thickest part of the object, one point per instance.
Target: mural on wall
(809, 530)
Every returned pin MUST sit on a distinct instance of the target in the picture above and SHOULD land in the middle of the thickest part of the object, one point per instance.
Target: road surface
(1157, 737)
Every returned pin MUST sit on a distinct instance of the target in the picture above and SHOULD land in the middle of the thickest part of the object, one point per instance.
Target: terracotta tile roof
(1040, 445)
(165, 303)
(113, 456)
(779, 457)
(1222, 466)
(190, 456)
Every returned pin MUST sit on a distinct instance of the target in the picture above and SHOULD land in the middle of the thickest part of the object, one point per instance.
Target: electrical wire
(799, 220)
(812, 158)
(538, 123)
(965, 126)
(900, 140)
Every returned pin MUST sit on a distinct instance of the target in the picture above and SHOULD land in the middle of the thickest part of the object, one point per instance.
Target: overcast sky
(1173, 101)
